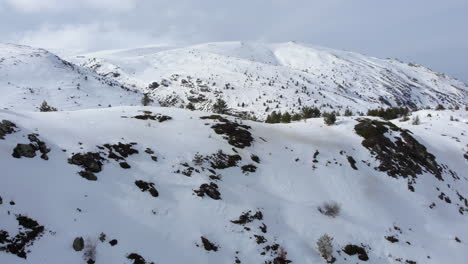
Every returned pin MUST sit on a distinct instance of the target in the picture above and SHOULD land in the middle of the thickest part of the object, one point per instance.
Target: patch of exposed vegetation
(236, 134)
(29, 231)
(404, 156)
(6, 128)
(148, 115)
(147, 187)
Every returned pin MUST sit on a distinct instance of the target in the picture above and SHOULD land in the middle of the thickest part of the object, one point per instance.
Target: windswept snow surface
(259, 78)
(301, 166)
(28, 76)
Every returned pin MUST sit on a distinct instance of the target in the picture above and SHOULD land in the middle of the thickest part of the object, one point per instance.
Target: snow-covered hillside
(162, 185)
(260, 78)
(28, 76)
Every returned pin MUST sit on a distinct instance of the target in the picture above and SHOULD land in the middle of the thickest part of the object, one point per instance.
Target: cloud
(85, 37)
(30, 6)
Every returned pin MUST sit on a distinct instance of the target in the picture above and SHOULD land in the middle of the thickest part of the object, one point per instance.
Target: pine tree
(286, 118)
(416, 121)
(348, 112)
(220, 107)
(329, 118)
(146, 100)
(45, 107)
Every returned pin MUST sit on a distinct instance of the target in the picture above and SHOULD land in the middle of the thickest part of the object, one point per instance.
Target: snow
(287, 192)
(29, 76)
(302, 164)
(275, 76)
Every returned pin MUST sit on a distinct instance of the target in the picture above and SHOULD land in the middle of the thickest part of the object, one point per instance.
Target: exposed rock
(113, 242)
(356, 250)
(147, 187)
(208, 245)
(30, 230)
(392, 239)
(124, 150)
(90, 161)
(124, 165)
(78, 244)
(352, 162)
(209, 189)
(150, 116)
(137, 259)
(236, 134)
(247, 218)
(249, 168)
(220, 160)
(6, 128)
(404, 156)
(24, 150)
(88, 175)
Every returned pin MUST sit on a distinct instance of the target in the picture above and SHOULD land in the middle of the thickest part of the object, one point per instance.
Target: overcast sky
(430, 32)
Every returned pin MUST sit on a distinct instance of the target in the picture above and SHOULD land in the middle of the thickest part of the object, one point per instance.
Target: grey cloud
(429, 32)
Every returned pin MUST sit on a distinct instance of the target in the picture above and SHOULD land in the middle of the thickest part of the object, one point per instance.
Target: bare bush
(325, 247)
(90, 251)
(331, 209)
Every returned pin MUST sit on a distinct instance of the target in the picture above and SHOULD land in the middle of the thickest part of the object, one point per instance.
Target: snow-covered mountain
(164, 185)
(28, 76)
(260, 78)
(105, 181)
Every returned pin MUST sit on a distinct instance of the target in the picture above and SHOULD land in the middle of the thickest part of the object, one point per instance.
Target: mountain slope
(167, 185)
(259, 78)
(29, 76)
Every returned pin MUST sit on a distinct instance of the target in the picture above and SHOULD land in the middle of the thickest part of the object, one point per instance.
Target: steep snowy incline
(29, 76)
(172, 186)
(258, 78)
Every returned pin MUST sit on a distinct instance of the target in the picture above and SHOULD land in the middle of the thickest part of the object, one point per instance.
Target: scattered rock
(24, 150)
(392, 239)
(249, 168)
(403, 156)
(247, 218)
(255, 158)
(113, 242)
(236, 134)
(352, 162)
(208, 245)
(356, 250)
(220, 160)
(78, 244)
(90, 161)
(147, 115)
(137, 259)
(147, 187)
(209, 189)
(30, 230)
(88, 175)
(124, 165)
(6, 128)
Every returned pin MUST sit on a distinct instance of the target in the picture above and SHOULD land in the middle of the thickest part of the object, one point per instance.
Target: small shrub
(439, 107)
(286, 118)
(310, 112)
(325, 247)
(389, 113)
(329, 118)
(331, 209)
(190, 106)
(416, 121)
(146, 100)
(45, 107)
(348, 112)
(220, 107)
(90, 251)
